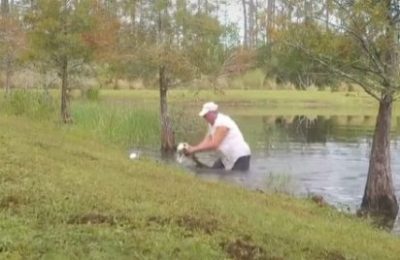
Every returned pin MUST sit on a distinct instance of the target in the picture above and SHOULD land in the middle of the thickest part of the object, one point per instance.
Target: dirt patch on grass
(191, 223)
(9, 202)
(158, 220)
(44, 146)
(84, 155)
(246, 249)
(91, 219)
(319, 200)
(333, 255)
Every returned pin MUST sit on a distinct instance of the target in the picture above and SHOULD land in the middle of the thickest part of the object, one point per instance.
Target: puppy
(180, 149)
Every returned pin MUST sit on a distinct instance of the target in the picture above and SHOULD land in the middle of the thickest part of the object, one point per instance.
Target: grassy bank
(265, 97)
(65, 196)
(283, 101)
(260, 102)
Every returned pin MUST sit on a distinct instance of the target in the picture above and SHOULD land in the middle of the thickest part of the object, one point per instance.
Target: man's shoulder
(223, 120)
(222, 116)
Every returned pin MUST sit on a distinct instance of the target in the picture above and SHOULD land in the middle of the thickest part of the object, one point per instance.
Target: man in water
(225, 137)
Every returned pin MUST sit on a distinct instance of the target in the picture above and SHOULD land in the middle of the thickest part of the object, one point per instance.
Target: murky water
(328, 156)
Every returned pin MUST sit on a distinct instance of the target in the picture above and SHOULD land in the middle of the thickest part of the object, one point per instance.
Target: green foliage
(355, 48)
(58, 31)
(35, 104)
(91, 94)
(188, 126)
(64, 37)
(121, 125)
(186, 42)
(202, 42)
(291, 62)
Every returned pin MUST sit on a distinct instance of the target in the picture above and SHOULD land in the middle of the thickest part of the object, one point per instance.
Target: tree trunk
(289, 15)
(133, 19)
(116, 82)
(65, 106)
(308, 11)
(8, 75)
(327, 14)
(5, 8)
(252, 16)
(257, 24)
(245, 28)
(167, 134)
(198, 6)
(7, 57)
(379, 197)
(270, 20)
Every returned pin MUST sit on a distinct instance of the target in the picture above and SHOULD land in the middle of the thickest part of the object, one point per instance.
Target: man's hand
(188, 150)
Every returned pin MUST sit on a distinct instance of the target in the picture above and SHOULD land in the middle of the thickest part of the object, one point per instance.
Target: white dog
(180, 155)
(180, 151)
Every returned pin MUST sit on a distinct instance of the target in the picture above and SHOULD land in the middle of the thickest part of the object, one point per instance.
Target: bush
(92, 94)
(281, 183)
(253, 79)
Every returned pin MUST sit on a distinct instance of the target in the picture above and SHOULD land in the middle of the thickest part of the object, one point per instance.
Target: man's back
(233, 146)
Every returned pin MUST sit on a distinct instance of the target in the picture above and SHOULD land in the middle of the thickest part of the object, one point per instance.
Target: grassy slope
(64, 195)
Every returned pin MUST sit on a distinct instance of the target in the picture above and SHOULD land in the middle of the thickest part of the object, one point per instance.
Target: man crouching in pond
(225, 137)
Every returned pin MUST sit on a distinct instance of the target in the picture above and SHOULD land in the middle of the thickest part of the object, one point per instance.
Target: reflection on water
(321, 155)
(319, 129)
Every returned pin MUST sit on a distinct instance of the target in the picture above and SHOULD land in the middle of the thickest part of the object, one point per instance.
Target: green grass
(247, 96)
(261, 102)
(34, 104)
(120, 125)
(65, 196)
(123, 125)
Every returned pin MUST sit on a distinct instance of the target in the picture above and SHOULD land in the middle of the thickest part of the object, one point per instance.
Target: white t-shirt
(233, 146)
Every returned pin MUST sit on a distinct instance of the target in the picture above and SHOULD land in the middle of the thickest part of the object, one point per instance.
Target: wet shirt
(233, 146)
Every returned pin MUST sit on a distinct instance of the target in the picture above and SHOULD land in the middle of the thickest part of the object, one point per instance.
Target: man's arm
(210, 143)
(206, 139)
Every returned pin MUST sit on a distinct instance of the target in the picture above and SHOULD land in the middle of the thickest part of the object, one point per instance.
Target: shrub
(92, 94)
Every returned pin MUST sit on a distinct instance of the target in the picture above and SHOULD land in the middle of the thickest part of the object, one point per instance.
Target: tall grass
(118, 124)
(279, 182)
(34, 104)
(91, 94)
(121, 125)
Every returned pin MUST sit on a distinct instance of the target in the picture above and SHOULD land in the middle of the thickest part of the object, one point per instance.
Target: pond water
(324, 155)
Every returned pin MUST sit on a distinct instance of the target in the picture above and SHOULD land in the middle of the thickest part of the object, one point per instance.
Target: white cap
(208, 107)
